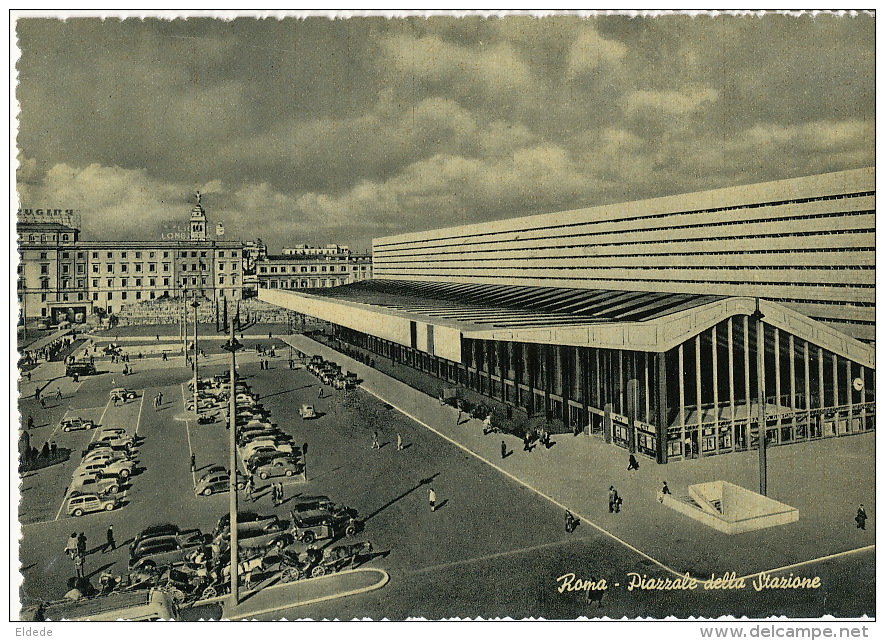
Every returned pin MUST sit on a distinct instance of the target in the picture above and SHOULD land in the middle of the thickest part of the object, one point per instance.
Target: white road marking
(497, 555)
(140, 407)
(524, 484)
(810, 561)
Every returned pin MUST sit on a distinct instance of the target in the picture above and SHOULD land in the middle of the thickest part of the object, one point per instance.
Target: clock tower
(198, 220)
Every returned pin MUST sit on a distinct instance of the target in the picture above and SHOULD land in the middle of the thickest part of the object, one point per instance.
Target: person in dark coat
(665, 489)
(44, 451)
(570, 522)
(53, 449)
(81, 544)
(633, 464)
(861, 518)
(111, 544)
(503, 449)
(614, 501)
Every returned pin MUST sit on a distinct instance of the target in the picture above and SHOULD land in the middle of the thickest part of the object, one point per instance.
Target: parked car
(119, 432)
(75, 423)
(86, 503)
(152, 532)
(263, 458)
(105, 457)
(323, 524)
(212, 483)
(223, 524)
(279, 444)
(166, 550)
(115, 440)
(106, 447)
(257, 534)
(307, 411)
(245, 435)
(277, 467)
(123, 393)
(310, 503)
(123, 469)
(93, 484)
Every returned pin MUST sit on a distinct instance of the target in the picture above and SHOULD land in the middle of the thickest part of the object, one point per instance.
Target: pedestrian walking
(53, 449)
(861, 518)
(28, 374)
(30, 422)
(279, 494)
(79, 563)
(58, 395)
(503, 449)
(399, 442)
(158, 338)
(81, 544)
(250, 486)
(71, 547)
(632, 463)
(111, 544)
(458, 420)
(42, 402)
(193, 462)
(37, 394)
(320, 392)
(614, 501)
(431, 497)
(160, 396)
(665, 489)
(375, 444)
(164, 357)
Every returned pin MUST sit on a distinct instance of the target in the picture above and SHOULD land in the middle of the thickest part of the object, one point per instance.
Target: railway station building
(673, 327)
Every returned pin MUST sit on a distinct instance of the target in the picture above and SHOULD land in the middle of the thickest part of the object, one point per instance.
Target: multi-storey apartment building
(304, 267)
(65, 278)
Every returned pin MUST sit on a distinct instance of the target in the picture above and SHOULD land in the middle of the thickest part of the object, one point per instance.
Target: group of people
(158, 400)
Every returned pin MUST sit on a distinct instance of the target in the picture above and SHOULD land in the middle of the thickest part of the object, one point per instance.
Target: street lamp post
(184, 321)
(195, 304)
(232, 346)
(760, 391)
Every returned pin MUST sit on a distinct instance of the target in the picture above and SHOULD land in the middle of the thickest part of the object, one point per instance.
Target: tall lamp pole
(760, 390)
(184, 321)
(195, 304)
(232, 346)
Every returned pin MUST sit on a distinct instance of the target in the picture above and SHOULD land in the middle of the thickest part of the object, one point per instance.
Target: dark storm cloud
(335, 131)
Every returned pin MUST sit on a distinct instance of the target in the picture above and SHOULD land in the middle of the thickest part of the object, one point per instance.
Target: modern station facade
(673, 327)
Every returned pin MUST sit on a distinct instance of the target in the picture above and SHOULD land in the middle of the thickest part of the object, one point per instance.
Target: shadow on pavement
(421, 483)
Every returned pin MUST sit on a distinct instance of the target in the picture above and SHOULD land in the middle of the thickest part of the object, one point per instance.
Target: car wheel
(350, 530)
(209, 593)
(78, 512)
(113, 489)
(263, 476)
(89, 426)
(289, 472)
(207, 491)
(309, 537)
(124, 474)
(318, 571)
(67, 428)
(109, 507)
(178, 596)
(148, 565)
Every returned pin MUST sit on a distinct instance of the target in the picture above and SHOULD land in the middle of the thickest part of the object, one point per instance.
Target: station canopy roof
(477, 306)
(613, 319)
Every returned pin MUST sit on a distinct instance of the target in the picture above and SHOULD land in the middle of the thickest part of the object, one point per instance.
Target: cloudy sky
(325, 131)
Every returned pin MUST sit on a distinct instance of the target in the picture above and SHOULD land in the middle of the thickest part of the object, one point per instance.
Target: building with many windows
(63, 277)
(304, 267)
(677, 327)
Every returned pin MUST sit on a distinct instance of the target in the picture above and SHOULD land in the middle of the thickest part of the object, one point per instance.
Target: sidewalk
(576, 472)
(304, 592)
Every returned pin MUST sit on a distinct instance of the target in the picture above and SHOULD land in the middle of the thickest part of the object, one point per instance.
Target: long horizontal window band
(652, 216)
(647, 280)
(810, 301)
(753, 252)
(499, 265)
(847, 321)
(414, 250)
(824, 232)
